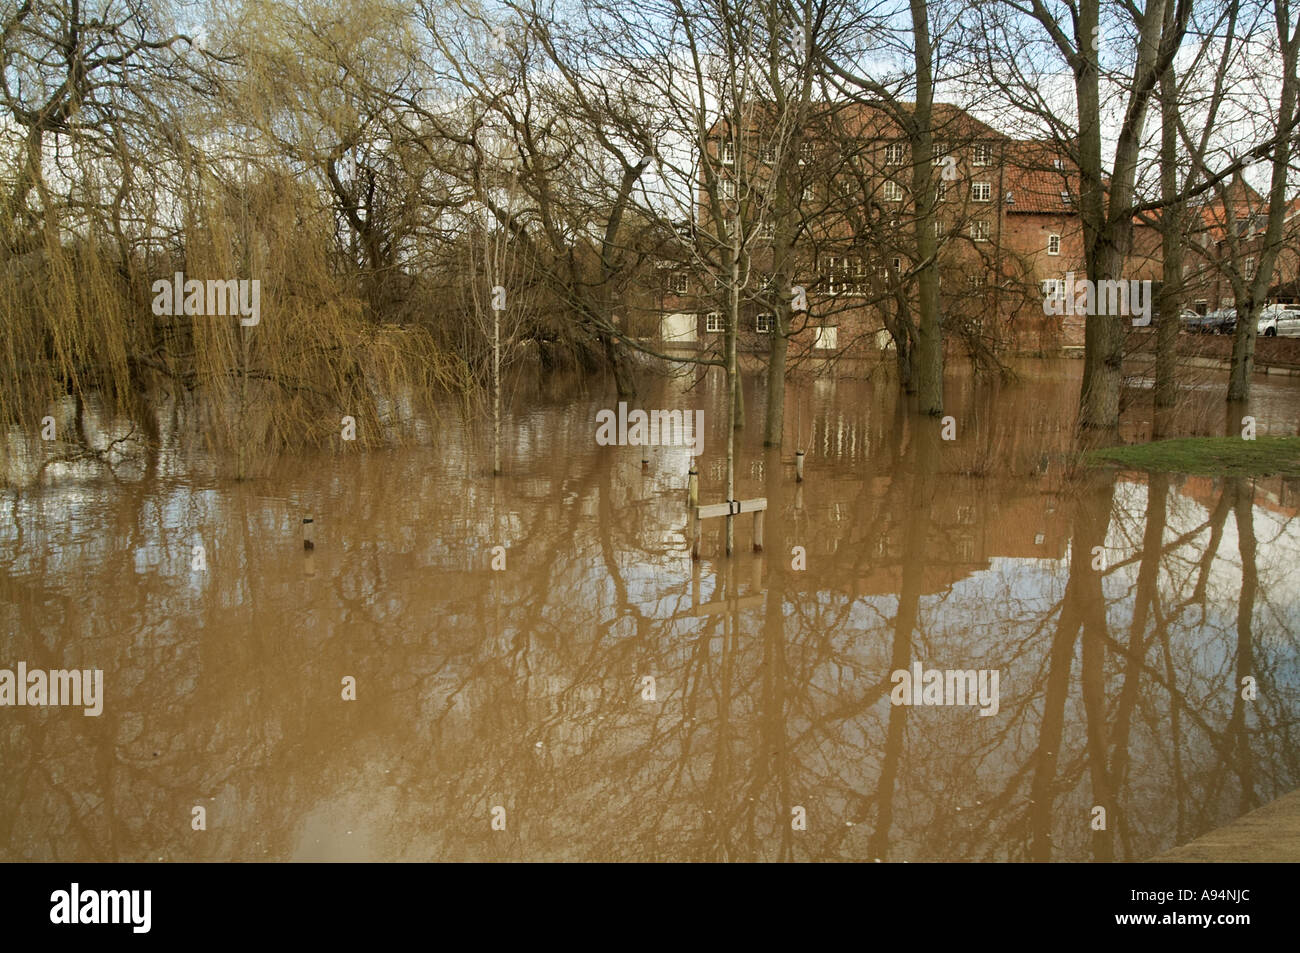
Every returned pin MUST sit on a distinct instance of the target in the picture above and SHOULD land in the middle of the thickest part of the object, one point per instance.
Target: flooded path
(521, 694)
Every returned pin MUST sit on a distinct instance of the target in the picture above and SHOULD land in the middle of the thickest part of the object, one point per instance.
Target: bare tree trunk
(1171, 239)
(929, 344)
(1256, 286)
(733, 397)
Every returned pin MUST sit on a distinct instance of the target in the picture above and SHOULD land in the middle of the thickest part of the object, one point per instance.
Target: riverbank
(1207, 456)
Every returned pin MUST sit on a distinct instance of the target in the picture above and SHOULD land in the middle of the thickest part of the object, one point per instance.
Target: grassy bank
(1208, 456)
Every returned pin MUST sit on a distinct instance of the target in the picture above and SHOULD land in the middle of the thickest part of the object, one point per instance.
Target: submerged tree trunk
(774, 427)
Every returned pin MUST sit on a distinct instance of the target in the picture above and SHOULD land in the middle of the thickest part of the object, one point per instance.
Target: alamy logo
(1117, 297)
(178, 296)
(102, 906)
(658, 428)
(946, 687)
(57, 687)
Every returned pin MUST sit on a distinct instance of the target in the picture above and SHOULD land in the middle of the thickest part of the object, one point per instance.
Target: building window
(893, 191)
(1066, 197)
(1248, 268)
(981, 191)
(767, 153)
(894, 153)
(727, 154)
(1202, 307)
(766, 231)
(728, 188)
(827, 338)
(805, 153)
(806, 196)
(845, 276)
(679, 284)
(979, 231)
(1053, 244)
(940, 150)
(898, 265)
(764, 322)
(1053, 288)
(941, 191)
(983, 155)
(976, 280)
(1058, 165)
(940, 228)
(713, 322)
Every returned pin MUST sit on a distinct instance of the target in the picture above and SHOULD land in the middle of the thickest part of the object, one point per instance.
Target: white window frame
(1053, 244)
(679, 283)
(727, 153)
(727, 189)
(894, 153)
(982, 154)
(845, 275)
(764, 323)
(893, 192)
(981, 191)
(980, 230)
(827, 337)
(713, 323)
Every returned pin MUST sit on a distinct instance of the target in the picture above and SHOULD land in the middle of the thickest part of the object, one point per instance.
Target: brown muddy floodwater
(771, 734)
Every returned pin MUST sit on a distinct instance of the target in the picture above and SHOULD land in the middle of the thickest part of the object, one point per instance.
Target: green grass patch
(1207, 456)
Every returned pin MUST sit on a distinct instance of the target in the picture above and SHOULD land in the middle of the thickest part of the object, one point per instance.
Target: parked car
(1223, 321)
(1279, 322)
(1195, 323)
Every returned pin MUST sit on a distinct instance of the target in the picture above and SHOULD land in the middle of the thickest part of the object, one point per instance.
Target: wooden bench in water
(756, 506)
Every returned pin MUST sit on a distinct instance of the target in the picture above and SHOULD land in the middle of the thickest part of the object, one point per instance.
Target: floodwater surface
(599, 695)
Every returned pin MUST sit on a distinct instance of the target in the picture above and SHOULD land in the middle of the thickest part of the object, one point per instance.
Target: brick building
(1005, 219)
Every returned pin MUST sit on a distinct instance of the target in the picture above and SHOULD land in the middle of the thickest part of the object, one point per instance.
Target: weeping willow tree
(156, 165)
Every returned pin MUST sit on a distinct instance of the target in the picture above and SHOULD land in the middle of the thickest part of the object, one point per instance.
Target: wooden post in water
(798, 466)
(693, 488)
(307, 533)
(729, 510)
